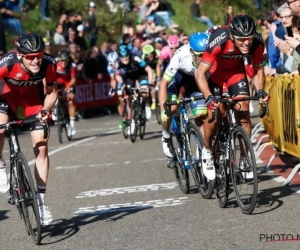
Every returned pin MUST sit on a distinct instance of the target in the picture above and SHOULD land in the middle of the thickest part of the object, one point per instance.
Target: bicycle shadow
(95, 135)
(152, 135)
(268, 199)
(66, 228)
(3, 215)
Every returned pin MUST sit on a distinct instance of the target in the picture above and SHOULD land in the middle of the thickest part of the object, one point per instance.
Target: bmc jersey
(222, 54)
(64, 75)
(134, 69)
(181, 61)
(19, 87)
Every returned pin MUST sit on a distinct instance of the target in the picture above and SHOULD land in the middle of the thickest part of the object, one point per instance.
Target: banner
(283, 122)
(93, 94)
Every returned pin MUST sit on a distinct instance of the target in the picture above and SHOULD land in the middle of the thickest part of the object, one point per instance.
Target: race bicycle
(187, 144)
(230, 144)
(22, 189)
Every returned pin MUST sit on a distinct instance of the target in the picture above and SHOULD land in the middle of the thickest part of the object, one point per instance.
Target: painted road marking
(106, 164)
(122, 190)
(30, 163)
(139, 205)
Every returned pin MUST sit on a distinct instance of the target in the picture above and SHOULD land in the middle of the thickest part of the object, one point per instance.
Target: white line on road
(73, 144)
(122, 190)
(139, 205)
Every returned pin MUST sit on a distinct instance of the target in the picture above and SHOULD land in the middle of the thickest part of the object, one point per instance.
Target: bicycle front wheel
(142, 125)
(59, 123)
(243, 173)
(204, 186)
(181, 174)
(28, 199)
(157, 109)
(133, 121)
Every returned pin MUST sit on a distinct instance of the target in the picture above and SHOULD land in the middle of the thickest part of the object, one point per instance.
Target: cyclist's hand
(164, 117)
(263, 96)
(43, 115)
(211, 102)
(112, 92)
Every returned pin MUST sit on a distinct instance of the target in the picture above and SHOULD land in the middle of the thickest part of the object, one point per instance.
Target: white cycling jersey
(181, 61)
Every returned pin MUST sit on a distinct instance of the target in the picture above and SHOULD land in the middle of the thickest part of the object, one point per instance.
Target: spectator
(196, 13)
(229, 15)
(72, 23)
(184, 38)
(45, 10)
(73, 47)
(113, 47)
(91, 24)
(286, 15)
(127, 27)
(16, 5)
(150, 25)
(158, 43)
(79, 64)
(159, 11)
(137, 48)
(258, 4)
(71, 36)
(104, 49)
(143, 9)
(91, 65)
(80, 41)
(11, 23)
(295, 7)
(58, 38)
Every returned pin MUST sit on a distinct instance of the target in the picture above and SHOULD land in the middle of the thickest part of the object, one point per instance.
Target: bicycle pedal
(171, 164)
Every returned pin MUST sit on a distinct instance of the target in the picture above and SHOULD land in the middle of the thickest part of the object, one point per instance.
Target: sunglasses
(174, 48)
(124, 58)
(197, 54)
(31, 57)
(243, 39)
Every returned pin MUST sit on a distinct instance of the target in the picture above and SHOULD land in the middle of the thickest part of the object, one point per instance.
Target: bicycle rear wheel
(125, 129)
(157, 109)
(244, 187)
(59, 123)
(28, 199)
(221, 181)
(204, 186)
(133, 121)
(181, 174)
(142, 125)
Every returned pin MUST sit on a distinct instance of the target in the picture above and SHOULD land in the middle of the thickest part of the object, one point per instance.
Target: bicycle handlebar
(185, 100)
(234, 100)
(25, 122)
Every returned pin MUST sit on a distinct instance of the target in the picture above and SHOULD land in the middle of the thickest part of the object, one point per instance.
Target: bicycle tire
(181, 174)
(29, 198)
(125, 129)
(142, 124)
(126, 125)
(236, 174)
(157, 109)
(59, 123)
(221, 183)
(66, 121)
(204, 187)
(133, 121)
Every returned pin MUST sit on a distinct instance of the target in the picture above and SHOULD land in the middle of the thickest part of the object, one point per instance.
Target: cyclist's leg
(173, 91)
(41, 170)
(72, 109)
(146, 94)
(4, 118)
(129, 83)
(152, 93)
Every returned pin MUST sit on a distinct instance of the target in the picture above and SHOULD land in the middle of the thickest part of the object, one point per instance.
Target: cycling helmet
(148, 49)
(64, 55)
(112, 57)
(242, 26)
(173, 41)
(123, 51)
(29, 43)
(198, 41)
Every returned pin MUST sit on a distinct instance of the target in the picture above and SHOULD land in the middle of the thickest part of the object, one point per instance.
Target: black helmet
(123, 51)
(64, 55)
(242, 26)
(29, 43)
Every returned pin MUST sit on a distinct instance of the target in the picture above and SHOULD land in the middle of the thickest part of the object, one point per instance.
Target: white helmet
(112, 57)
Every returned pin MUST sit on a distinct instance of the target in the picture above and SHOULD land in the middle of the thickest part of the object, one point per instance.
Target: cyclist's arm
(258, 58)
(51, 88)
(113, 81)
(201, 79)
(73, 76)
(150, 74)
(158, 68)
(72, 82)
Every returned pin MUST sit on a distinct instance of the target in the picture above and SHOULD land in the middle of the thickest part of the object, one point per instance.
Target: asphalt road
(108, 193)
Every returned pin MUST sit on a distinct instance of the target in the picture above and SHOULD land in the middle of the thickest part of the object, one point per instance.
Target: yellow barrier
(283, 122)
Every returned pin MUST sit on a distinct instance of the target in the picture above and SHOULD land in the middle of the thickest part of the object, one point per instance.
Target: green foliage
(111, 24)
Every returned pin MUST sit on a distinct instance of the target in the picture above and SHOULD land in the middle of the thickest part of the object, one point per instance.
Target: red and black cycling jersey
(64, 75)
(223, 55)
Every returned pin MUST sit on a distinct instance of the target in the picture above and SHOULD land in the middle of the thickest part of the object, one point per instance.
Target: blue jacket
(273, 51)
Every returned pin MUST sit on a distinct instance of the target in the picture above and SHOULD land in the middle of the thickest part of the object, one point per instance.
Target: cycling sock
(41, 194)
(72, 121)
(153, 100)
(205, 151)
(166, 134)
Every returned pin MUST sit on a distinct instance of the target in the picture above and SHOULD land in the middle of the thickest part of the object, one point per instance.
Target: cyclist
(115, 82)
(66, 79)
(135, 73)
(181, 72)
(223, 61)
(166, 54)
(28, 79)
(151, 56)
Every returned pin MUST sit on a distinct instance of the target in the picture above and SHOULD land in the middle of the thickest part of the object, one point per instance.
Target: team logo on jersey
(6, 58)
(217, 39)
(24, 83)
(232, 56)
(242, 84)
(18, 75)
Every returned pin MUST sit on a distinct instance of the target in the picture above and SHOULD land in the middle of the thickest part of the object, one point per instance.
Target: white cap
(92, 5)
(80, 27)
